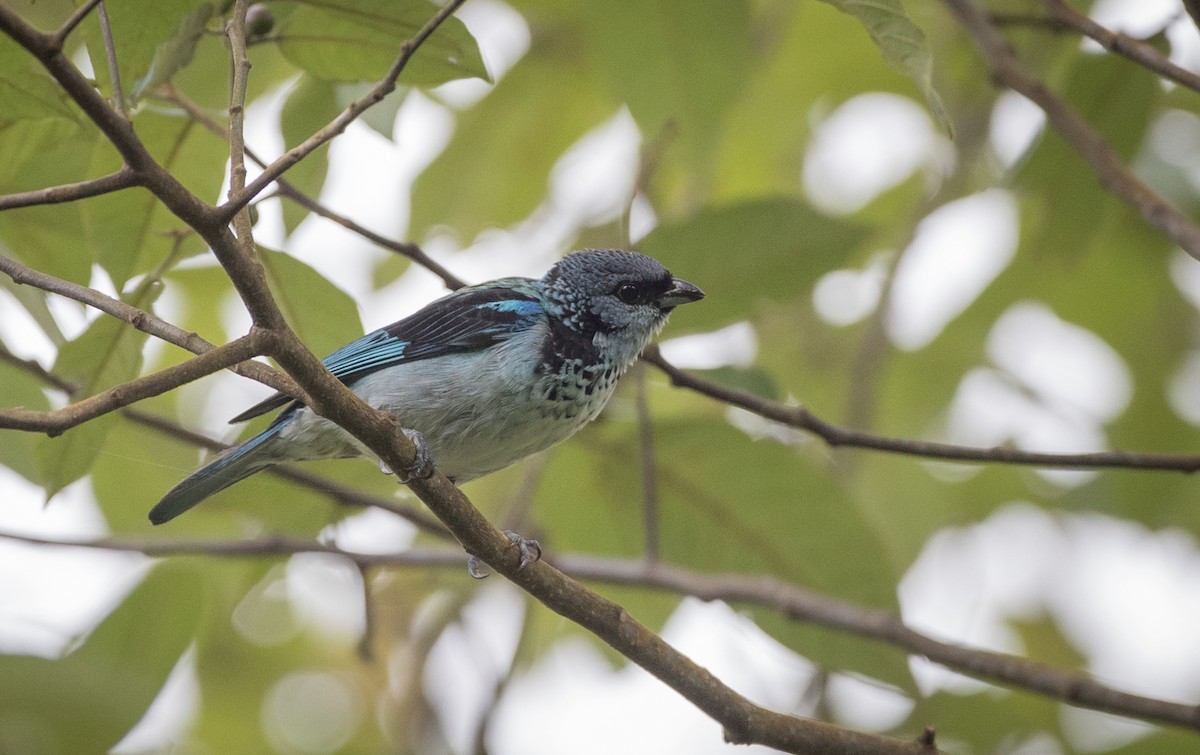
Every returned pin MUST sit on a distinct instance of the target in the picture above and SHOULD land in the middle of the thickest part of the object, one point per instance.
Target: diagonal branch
(1062, 15)
(121, 179)
(1114, 175)
(76, 18)
(58, 421)
(795, 602)
(834, 435)
(110, 54)
(142, 320)
(339, 124)
(287, 189)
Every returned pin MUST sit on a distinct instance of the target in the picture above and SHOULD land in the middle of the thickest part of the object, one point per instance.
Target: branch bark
(790, 600)
(835, 436)
(58, 421)
(121, 179)
(1113, 174)
(143, 321)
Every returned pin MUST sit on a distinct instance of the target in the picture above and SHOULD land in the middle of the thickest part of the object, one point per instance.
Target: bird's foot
(531, 551)
(423, 466)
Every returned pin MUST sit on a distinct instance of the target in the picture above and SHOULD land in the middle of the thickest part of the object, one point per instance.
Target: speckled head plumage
(610, 290)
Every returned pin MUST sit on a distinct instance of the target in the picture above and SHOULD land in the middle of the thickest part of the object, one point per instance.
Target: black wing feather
(469, 319)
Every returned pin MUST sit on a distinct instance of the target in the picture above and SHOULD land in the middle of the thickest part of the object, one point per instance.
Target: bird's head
(607, 292)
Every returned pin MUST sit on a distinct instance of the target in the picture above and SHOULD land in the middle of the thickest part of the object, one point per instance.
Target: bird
(479, 379)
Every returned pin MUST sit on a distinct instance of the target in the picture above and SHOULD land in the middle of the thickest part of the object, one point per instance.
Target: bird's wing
(469, 319)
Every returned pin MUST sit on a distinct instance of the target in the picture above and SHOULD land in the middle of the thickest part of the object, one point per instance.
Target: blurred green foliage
(726, 95)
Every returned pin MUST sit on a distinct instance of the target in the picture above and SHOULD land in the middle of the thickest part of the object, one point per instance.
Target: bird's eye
(629, 293)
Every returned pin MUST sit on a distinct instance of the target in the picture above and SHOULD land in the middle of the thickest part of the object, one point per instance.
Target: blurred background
(905, 250)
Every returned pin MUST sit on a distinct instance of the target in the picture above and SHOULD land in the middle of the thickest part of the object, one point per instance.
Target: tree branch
(794, 602)
(835, 436)
(121, 179)
(1061, 17)
(58, 421)
(288, 190)
(1114, 175)
(76, 18)
(110, 53)
(143, 321)
(339, 124)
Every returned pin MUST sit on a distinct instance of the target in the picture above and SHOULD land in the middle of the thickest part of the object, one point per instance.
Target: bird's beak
(680, 292)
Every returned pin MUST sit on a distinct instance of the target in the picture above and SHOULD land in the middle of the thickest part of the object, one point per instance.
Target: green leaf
(509, 137)
(89, 700)
(381, 117)
(108, 353)
(130, 231)
(902, 44)
(309, 106)
(764, 248)
(152, 42)
(26, 91)
(21, 390)
(679, 65)
(727, 504)
(323, 315)
(175, 53)
(359, 41)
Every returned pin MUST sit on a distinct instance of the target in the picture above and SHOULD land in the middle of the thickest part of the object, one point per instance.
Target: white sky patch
(1185, 273)
(469, 657)
(869, 144)
(1093, 731)
(572, 695)
(1054, 388)
(326, 593)
(312, 712)
(1137, 19)
(1183, 390)
(1123, 594)
(1185, 42)
(958, 250)
(866, 704)
(593, 181)
(51, 596)
(1065, 365)
(21, 333)
(1016, 123)
(172, 711)
(843, 297)
(642, 218)
(503, 38)
(732, 346)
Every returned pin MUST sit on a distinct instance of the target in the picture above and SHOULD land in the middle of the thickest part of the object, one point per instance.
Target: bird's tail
(233, 465)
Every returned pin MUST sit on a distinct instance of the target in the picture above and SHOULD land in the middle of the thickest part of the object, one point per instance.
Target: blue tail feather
(232, 466)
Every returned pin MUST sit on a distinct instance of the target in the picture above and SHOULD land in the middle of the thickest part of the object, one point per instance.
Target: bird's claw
(531, 551)
(423, 466)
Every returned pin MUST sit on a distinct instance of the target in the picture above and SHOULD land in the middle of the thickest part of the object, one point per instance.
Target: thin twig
(143, 321)
(833, 435)
(288, 190)
(110, 51)
(58, 421)
(1121, 44)
(795, 602)
(1114, 175)
(34, 368)
(339, 124)
(121, 179)
(75, 19)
